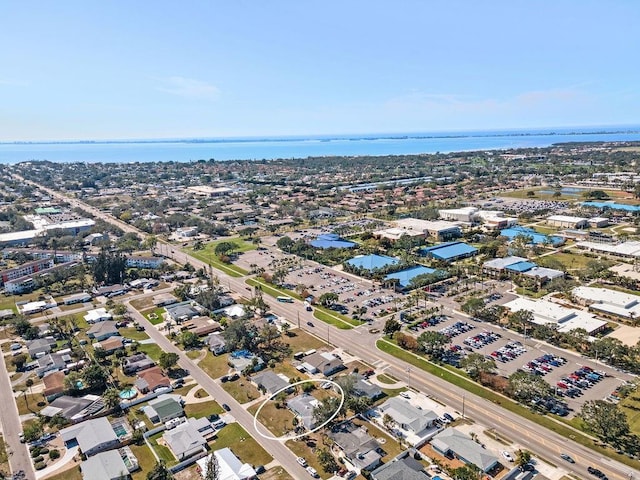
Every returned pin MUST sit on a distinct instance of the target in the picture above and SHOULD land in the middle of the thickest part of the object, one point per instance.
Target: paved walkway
(391, 386)
(190, 397)
(60, 464)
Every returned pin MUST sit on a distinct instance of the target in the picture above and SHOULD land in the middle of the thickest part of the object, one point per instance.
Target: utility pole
(463, 398)
(409, 377)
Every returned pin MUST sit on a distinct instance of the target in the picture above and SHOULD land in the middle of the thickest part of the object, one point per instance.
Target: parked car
(226, 407)
(301, 461)
(507, 456)
(312, 471)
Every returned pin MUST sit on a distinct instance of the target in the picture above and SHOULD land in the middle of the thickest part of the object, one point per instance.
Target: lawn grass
(203, 409)
(242, 390)
(391, 447)
(631, 407)
(570, 261)
(75, 474)
(193, 354)
(151, 349)
(133, 334)
(4, 458)
(276, 473)
(289, 370)
(207, 255)
(341, 322)
(301, 341)
(154, 315)
(558, 426)
(308, 451)
(163, 452)
(215, 365)
(30, 403)
(385, 378)
(146, 460)
(246, 448)
(277, 420)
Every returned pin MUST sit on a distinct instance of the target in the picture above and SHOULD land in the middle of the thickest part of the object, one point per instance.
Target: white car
(405, 395)
(301, 461)
(507, 456)
(312, 471)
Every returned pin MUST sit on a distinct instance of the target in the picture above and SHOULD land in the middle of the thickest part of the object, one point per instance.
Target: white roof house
(608, 301)
(230, 467)
(92, 436)
(97, 315)
(566, 319)
(416, 422)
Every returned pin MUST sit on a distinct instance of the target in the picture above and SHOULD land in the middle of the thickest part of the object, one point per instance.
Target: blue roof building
(405, 276)
(331, 240)
(372, 262)
(520, 267)
(536, 238)
(449, 252)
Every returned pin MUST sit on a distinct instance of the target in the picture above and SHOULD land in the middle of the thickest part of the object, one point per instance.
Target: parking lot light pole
(463, 398)
(409, 376)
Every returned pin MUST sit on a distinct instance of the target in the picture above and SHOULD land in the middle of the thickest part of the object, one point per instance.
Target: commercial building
(439, 229)
(610, 302)
(624, 250)
(449, 252)
(464, 214)
(495, 219)
(565, 319)
(567, 221)
(510, 266)
(25, 270)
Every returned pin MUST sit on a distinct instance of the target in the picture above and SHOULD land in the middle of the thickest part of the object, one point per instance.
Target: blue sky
(158, 69)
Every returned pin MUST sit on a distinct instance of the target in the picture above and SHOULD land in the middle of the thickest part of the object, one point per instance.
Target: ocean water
(185, 150)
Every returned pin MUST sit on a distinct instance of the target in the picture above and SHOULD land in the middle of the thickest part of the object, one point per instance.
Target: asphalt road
(19, 458)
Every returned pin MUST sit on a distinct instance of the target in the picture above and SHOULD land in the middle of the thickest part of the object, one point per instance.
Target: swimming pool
(128, 394)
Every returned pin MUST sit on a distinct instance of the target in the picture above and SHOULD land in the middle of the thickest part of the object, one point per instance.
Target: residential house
(110, 345)
(110, 465)
(303, 406)
(242, 360)
(164, 408)
(136, 363)
(403, 467)
(270, 382)
(51, 362)
(181, 312)
(363, 388)
(92, 436)
(322, 362)
(97, 315)
(77, 298)
(359, 448)
(40, 346)
(73, 408)
(216, 344)
(151, 379)
(420, 423)
(185, 441)
(103, 330)
(110, 290)
(452, 443)
(53, 385)
(229, 466)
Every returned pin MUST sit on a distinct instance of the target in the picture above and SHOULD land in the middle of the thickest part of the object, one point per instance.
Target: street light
(409, 375)
(463, 398)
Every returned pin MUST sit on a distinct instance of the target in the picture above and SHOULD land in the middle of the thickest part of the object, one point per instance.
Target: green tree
(524, 386)
(225, 248)
(211, 468)
(476, 364)
(111, 398)
(94, 377)
(523, 457)
(327, 461)
(168, 360)
(606, 420)
(325, 410)
(285, 244)
(160, 472)
(19, 361)
(240, 334)
(472, 306)
(33, 431)
(189, 340)
(327, 299)
(432, 343)
(391, 326)
(466, 472)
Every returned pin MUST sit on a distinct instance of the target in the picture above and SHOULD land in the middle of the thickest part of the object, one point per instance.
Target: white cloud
(189, 88)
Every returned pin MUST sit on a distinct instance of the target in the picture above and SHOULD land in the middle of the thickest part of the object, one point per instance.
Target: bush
(35, 451)
(38, 459)
(39, 465)
(53, 454)
(44, 451)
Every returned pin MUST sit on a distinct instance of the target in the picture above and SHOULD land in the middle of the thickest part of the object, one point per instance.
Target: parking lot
(512, 352)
